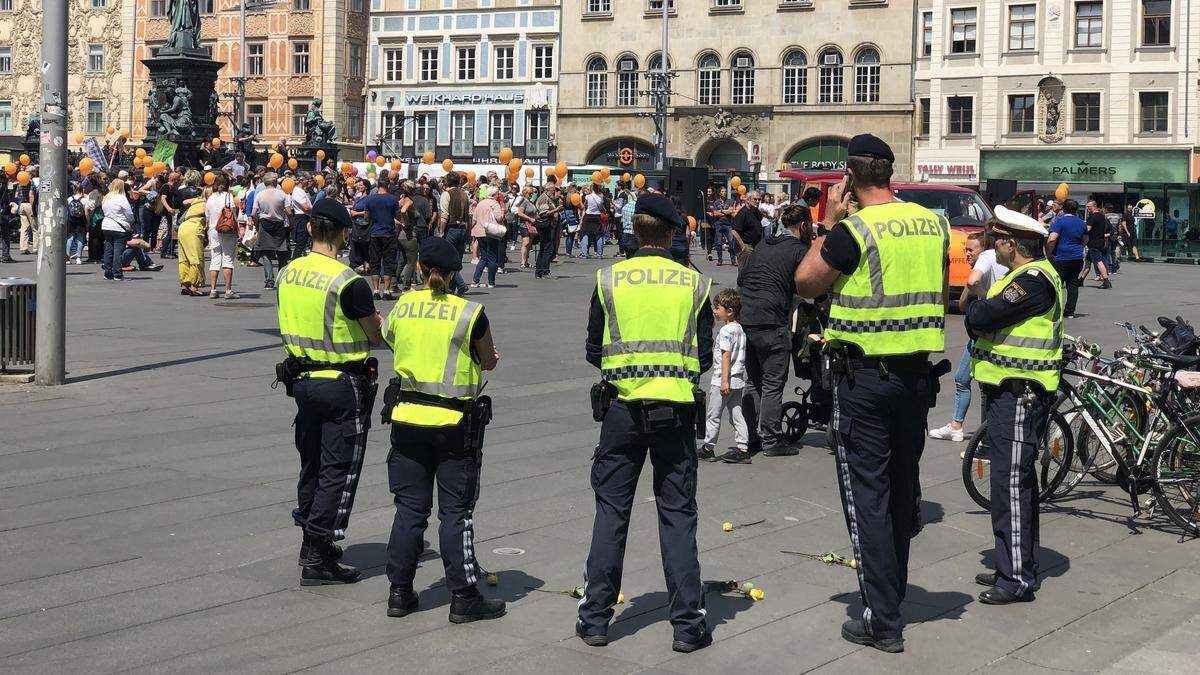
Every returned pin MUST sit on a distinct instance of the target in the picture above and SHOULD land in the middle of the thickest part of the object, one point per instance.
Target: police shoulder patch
(1013, 293)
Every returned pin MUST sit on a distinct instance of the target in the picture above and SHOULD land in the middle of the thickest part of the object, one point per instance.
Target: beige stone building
(98, 67)
(777, 81)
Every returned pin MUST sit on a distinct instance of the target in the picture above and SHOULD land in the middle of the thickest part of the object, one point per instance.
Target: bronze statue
(318, 130)
(33, 130)
(214, 105)
(152, 108)
(185, 26)
(176, 120)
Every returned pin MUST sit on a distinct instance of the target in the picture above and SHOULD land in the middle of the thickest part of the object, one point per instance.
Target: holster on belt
(698, 417)
(475, 419)
(936, 371)
(602, 395)
(391, 396)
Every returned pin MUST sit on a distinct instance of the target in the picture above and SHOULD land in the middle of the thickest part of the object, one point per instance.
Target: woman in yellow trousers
(191, 246)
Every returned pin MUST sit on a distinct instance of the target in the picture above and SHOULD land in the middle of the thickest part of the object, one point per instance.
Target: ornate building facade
(98, 66)
(295, 51)
(756, 83)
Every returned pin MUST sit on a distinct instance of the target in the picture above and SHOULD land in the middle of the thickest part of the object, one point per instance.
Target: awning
(1077, 189)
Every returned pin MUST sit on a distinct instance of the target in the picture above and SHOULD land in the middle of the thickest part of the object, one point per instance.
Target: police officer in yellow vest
(442, 343)
(885, 269)
(328, 322)
(650, 334)
(1018, 332)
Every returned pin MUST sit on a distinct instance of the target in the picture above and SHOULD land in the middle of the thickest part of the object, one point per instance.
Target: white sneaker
(947, 433)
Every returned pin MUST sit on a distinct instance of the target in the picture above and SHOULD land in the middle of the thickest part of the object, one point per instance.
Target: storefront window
(823, 154)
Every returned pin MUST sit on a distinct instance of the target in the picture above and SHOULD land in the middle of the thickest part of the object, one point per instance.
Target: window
(6, 6)
(627, 81)
(962, 30)
(657, 5)
(99, 4)
(466, 63)
(962, 114)
(254, 58)
(505, 61)
(1089, 24)
(301, 4)
(95, 58)
(866, 76)
(795, 77)
(300, 58)
(543, 62)
(354, 123)
(598, 7)
(157, 7)
(1087, 113)
(726, 3)
(95, 117)
(354, 60)
(425, 126)
(923, 110)
(829, 77)
(391, 125)
(539, 125)
(1020, 114)
(393, 65)
(299, 112)
(1154, 111)
(1022, 27)
(207, 6)
(502, 127)
(1156, 23)
(254, 116)
(429, 64)
(6, 122)
(597, 83)
(462, 133)
(927, 34)
(742, 78)
(5, 60)
(356, 5)
(709, 80)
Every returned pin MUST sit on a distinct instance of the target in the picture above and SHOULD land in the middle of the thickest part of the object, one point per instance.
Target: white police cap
(1016, 224)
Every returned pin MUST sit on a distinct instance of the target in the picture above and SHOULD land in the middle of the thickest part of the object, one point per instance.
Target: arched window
(627, 81)
(829, 76)
(597, 83)
(654, 67)
(795, 77)
(866, 76)
(742, 78)
(709, 78)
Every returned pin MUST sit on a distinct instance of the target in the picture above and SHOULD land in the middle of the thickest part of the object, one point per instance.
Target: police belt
(1016, 386)
(459, 405)
(355, 368)
(909, 363)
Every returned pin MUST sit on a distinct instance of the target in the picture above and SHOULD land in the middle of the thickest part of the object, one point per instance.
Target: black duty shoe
(401, 602)
(736, 456)
(707, 455)
(856, 631)
(151, 268)
(1106, 284)
(334, 550)
(986, 579)
(685, 647)
(590, 640)
(781, 451)
(322, 569)
(475, 608)
(1002, 596)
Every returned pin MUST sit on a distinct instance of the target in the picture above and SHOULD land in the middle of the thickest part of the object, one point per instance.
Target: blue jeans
(488, 255)
(725, 241)
(594, 242)
(962, 384)
(77, 240)
(570, 239)
(114, 253)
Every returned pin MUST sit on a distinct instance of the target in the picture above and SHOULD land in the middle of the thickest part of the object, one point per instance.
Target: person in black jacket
(767, 286)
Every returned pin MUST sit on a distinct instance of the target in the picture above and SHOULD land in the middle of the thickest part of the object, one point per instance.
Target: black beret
(439, 253)
(659, 206)
(333, 210)
(868, 145)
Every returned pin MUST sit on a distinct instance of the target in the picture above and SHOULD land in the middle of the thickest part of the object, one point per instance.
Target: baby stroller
(816, 403)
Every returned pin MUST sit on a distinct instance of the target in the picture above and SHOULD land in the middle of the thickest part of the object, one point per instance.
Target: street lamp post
(239, 94)
(661, 88)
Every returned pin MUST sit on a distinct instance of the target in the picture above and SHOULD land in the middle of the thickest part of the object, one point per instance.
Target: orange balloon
(575, 199)
(23, 178)
(514, 164)
(605, 173)
(276, 161)
(292, 164)
(86, 166)
(210, 178)
(320, 154)
(560, 170)
(140, 152)
(1062, 192)
(11, 169)
(596, 177)
(506, 155)
(448, 164)
(288, 185)
(137, 162)
(159, 167)
(625, 177)
(735, 181)
(346, 168)
(691, 223)
(741, 190)
(470, 176)
(78, 138)
(320, 180)
(150, 171)
(395, 165)
(427, 157)
(639, 181)
(24, 160)
(124, 133)
(350, 181)
(529, 172)
(380, 161)
(216, 142)
(111, 131)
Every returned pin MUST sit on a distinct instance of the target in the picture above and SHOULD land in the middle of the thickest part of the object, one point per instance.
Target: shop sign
(960, 171)
(827, 154)
(1144, 209)
(452, 98)
(1087, 166)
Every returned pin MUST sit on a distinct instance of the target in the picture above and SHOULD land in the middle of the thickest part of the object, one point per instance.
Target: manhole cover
(244, 305)
(508, 551)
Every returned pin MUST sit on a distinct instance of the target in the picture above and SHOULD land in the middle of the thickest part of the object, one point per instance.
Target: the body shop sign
(1087, 166)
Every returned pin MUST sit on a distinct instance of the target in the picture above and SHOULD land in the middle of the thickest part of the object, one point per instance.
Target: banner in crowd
(94, 151)
(164, 151)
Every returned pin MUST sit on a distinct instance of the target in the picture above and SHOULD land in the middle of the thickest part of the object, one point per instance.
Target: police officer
(885, 268)
(1016, 359)
(328, 322)
(650, 333)
(442, 343)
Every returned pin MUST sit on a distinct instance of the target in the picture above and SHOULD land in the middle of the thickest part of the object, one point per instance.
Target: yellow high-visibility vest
(1029, 350)
(310, 313)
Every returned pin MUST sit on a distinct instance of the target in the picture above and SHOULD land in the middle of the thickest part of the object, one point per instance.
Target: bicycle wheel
(795, 421)
(1105, 468)
(1176, 465)
(1051, 463)
(1064, 465)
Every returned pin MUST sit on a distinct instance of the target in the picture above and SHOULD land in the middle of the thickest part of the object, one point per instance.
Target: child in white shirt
(728, 382)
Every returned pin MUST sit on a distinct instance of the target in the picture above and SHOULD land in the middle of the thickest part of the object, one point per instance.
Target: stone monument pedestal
(306, 155)
(198, 72)
(31, 148)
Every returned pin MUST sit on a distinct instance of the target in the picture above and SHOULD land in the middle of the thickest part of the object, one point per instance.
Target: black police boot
(474, 607)
(687, 646)
(856, 631)
(321, 568)
(986, 578)
(788, 450)
(401, 602)
(590, 640)
(1002, 596)
(337, 550)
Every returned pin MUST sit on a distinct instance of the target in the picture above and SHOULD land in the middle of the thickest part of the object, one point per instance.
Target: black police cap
(439, 253)
(869, 145)
(334, 211)
(659, 206)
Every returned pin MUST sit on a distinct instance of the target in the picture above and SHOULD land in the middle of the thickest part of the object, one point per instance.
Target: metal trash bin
(18, 325)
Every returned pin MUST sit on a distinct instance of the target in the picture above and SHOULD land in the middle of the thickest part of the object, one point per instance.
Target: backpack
(227, 222)
(75, 208)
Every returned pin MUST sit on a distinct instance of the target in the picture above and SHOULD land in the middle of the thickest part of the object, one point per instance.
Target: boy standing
(728, 382)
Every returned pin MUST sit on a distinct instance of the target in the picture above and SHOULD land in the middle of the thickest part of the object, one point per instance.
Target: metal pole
(50, 366)
(241, 80)
(660, 99)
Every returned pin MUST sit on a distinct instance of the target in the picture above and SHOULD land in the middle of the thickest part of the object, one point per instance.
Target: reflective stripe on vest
(892, 303)
(305, 284)
(639, 356)
(1029, 350)
(433, 355)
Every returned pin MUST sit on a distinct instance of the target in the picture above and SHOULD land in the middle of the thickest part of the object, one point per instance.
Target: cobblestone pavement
(144, 518)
